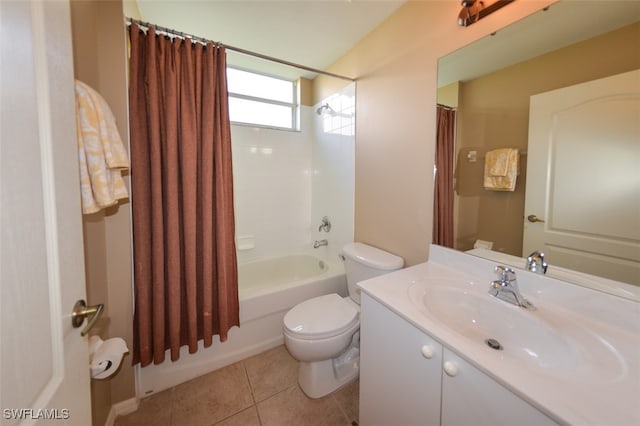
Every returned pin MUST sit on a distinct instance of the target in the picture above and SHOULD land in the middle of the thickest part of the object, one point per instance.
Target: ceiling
(314, 33)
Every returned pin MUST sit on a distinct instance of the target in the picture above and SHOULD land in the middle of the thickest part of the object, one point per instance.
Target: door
(44, 362)
(583, 177)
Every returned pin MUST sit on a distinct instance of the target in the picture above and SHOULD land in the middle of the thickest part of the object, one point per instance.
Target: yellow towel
(501, 169)
(101, 153)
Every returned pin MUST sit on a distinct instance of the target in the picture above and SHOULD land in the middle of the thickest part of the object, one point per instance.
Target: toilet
(323, 333)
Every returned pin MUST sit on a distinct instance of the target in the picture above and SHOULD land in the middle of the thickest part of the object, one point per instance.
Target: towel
(101, 153)
(501, 169)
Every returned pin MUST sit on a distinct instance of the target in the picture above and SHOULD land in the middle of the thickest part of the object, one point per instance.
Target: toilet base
(320, 378)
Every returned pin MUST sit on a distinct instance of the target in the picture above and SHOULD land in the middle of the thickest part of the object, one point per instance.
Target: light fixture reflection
(474, 10)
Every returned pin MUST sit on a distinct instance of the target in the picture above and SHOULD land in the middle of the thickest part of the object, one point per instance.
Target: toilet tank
(362, 262)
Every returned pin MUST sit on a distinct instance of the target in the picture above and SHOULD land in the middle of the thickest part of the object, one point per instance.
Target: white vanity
(425, 359)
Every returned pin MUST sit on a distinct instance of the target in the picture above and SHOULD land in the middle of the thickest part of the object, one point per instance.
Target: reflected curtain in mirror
(186, 279)
(443, 191)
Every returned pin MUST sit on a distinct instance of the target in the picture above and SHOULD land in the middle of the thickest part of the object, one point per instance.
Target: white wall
(272, 189)
(334, 171)
(285, 182)
(396, 66)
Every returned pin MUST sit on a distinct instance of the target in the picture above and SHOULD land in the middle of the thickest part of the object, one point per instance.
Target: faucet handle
(537, 254)
(506, 274)
(536, 263)
(325, 225)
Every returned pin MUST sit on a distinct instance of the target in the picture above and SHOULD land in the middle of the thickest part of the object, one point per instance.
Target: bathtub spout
(320, 243)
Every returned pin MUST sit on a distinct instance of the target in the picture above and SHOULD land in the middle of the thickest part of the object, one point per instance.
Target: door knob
(82, 311)
(533, 218)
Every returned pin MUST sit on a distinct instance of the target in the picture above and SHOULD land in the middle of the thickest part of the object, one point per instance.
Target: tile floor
(258, 391)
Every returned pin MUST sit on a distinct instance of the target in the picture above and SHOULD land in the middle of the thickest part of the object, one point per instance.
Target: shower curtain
(443, 191)
(186, 280)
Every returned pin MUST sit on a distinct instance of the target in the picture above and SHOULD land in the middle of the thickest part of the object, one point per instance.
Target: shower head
(322, 107)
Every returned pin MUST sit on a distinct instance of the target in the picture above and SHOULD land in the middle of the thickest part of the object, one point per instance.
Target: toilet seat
(321, 317)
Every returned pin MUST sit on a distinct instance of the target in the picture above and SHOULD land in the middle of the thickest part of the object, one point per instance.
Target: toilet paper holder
(105, 356)
(82, 311)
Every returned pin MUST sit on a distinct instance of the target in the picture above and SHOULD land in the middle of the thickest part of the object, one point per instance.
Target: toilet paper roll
(106, 356)
(483, 244)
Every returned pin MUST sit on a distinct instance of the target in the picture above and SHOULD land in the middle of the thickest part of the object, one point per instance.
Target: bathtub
(267, 289)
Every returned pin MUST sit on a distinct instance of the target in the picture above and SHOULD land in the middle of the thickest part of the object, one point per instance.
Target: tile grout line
(172, 403)
(253, 399)
(253, 395)
(246, 374)
(268, 398)
(340, 408)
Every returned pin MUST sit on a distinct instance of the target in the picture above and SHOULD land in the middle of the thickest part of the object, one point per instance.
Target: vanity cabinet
(470, 397)
(408, 378)
(400, 370)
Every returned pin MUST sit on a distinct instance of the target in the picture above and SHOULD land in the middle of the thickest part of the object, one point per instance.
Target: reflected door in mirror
(589, 196)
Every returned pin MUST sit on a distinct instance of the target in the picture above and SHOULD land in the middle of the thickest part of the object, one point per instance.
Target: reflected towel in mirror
(501, 169)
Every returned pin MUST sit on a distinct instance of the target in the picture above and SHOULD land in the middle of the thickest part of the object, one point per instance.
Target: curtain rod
(235, 49)
(447, 107)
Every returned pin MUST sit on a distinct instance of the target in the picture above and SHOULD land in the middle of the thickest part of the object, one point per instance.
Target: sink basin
(550, 342)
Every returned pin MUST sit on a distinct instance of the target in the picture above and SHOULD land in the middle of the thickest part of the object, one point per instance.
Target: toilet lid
(321, 317)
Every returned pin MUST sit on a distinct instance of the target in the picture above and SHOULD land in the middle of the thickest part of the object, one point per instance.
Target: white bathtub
(267, 289)
(278, 272)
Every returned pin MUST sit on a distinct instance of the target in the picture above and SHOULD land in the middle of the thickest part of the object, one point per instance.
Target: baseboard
(121, 408)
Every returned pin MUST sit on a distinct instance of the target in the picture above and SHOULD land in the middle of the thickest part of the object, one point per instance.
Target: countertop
(566, 397)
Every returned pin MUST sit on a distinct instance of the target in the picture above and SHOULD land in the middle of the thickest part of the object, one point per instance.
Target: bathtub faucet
(320, 243)
(325, 225)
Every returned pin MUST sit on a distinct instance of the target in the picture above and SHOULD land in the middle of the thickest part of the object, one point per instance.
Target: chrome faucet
(320, 243)
(325, 225)
(506, 288)
(536, 263)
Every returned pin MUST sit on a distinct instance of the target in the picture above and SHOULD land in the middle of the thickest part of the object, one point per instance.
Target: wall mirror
(490, 83)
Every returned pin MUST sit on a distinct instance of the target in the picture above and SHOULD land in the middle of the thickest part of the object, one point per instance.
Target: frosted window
(260, 86)
(261, 100)
(260, 113)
